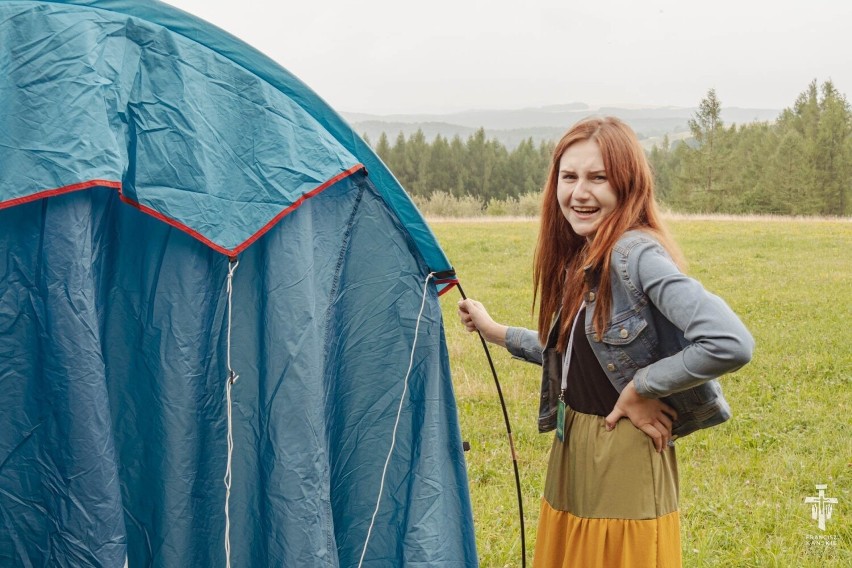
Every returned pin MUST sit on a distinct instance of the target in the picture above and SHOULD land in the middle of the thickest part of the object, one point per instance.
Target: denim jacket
(666, 333)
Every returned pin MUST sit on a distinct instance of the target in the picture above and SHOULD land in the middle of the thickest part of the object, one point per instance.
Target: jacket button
(591, 296)
(623, 333)
(610, 367)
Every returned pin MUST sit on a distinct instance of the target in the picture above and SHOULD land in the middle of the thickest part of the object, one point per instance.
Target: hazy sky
(395, 56)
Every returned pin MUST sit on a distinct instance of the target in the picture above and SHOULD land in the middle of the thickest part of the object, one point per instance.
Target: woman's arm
(718, 342)
(521, 343)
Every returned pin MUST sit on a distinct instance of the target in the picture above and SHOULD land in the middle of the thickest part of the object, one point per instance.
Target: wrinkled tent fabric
(139, 148)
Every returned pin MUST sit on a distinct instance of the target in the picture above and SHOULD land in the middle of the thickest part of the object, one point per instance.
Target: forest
(800, 164)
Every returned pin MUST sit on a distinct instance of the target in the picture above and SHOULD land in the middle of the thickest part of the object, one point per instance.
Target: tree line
(800, 164)
(478, 167)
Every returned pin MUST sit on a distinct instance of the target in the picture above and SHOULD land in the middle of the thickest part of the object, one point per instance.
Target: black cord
(511, 440)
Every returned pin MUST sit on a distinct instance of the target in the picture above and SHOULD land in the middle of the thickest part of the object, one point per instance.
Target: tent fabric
(134, 160)
(169, 102)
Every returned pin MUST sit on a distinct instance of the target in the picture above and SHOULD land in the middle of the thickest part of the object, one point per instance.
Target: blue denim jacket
(666, 333)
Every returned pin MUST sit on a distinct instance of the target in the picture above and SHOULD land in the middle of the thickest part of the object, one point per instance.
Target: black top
(589, 390)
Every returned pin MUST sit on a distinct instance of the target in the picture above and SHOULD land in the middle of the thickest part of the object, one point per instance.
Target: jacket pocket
(631, 341)
(625, 331)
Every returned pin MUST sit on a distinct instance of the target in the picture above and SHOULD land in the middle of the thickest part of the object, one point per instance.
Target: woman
(622, 333)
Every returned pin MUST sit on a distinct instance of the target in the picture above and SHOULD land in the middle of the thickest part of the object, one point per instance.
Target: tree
(788, 175)
(833, 161)
(823, 119)
(397, 162)
(706, 127)
(440, 171)
(480, 164)
(383, 147)
(459, 166)
(525, 174)
(416, 162)
(660, 161)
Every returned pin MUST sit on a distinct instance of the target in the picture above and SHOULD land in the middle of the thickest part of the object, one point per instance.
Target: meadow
(742, 484)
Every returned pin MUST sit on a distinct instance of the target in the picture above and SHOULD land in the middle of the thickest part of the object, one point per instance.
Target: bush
(529, 205)
(500, 207)
(443, 204)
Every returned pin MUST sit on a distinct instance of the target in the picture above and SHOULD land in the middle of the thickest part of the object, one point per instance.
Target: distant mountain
(543, 123)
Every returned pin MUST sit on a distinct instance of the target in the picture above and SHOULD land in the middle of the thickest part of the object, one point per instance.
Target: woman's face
(583, 190)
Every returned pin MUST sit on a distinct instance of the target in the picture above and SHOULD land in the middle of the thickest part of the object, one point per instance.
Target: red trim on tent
(60, 190)
(177, 224)
(296, 204)
(450, 284)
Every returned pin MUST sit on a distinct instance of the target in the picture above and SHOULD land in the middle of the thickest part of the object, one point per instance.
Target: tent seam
(338, 269)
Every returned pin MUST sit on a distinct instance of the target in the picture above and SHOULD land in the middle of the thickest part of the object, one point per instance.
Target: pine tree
(397, 162)
(660, 161)
(416, 162)
(383, 147)
(833, 160)
(822, 117)
(458, 170)
(439, 171)
(707, 129)
(788, 174)
(479, 166)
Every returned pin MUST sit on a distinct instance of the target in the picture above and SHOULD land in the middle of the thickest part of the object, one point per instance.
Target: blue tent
(143, 153)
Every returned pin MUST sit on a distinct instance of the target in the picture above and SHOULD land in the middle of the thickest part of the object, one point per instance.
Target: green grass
(742, 484)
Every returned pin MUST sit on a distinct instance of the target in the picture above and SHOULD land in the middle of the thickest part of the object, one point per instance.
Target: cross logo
(821, 506)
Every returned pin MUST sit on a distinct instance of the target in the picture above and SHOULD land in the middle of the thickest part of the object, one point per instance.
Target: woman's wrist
(496, 334)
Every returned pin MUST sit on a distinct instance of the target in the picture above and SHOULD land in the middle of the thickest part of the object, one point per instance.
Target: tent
(145, 155)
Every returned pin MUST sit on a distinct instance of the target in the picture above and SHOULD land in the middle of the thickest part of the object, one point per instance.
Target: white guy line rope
(232, 378)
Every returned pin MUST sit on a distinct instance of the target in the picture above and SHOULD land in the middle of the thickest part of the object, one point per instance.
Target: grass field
(742, 484)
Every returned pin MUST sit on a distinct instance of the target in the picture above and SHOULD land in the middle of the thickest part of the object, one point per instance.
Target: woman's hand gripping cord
(474, 317)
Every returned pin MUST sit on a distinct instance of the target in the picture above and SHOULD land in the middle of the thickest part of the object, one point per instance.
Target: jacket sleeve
(717, 341)
(524, 344)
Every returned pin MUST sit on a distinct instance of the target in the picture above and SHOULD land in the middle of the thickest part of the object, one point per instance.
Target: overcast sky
(395, 56)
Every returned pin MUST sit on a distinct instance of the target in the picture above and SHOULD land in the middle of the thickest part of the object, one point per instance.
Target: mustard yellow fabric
(610, 500)
(567, 541)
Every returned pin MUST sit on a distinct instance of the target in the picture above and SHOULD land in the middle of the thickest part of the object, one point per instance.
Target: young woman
(622, 334)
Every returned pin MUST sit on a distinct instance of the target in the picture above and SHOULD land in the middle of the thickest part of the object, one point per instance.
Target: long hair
(562, 257)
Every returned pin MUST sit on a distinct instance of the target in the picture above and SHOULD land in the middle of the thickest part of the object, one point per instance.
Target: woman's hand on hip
(654, 417)
(474, 317)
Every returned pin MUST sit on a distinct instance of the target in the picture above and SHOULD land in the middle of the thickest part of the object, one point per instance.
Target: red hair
(561, 255)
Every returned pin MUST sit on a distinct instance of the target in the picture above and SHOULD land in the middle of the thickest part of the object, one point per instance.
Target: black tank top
(589, 390)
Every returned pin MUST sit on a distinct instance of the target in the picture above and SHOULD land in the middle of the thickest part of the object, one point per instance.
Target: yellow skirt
(610, 500)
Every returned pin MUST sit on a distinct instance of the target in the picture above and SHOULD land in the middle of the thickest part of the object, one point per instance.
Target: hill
(543, 123)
